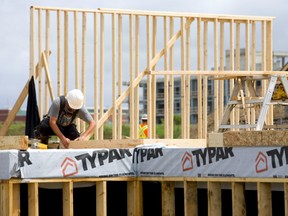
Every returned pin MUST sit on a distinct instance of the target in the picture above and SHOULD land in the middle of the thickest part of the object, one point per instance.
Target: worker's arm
(53, 124)
(88, 131)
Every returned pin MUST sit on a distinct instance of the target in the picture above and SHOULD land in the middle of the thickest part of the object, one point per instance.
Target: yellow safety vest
(143, 131)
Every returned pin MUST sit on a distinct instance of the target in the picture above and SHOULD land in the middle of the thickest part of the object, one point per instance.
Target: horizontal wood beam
(131, 143)
(183, 14)
(220, 17)
(227, 74)
(14, 142)
(150, 178)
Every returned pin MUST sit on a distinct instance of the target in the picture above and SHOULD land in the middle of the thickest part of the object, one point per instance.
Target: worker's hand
(65, 141)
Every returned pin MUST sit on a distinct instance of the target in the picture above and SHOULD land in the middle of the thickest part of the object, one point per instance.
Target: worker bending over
(60, 120)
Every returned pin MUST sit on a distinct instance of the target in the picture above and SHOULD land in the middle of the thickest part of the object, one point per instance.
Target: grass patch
(15, 129)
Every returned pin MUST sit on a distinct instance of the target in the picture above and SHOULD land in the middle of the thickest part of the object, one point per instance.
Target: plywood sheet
(256, 138)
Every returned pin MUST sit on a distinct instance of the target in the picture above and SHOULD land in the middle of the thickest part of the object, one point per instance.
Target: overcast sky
(14, 33)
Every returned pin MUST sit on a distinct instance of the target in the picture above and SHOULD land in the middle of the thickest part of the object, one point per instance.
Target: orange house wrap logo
(187, 163)
(261, 163)
(69, 167)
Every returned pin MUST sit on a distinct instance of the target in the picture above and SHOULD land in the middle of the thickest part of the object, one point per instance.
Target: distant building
(177, 98)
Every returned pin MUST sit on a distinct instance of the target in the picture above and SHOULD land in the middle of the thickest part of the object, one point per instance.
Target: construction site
(235, 161)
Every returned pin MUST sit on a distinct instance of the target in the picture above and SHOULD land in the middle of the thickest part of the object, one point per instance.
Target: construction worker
(60, 120)
(143, 127)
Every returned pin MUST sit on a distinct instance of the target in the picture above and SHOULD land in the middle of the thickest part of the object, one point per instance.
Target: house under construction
(241, 159)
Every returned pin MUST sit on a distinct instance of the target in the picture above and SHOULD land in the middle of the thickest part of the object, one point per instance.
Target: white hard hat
(75, 99)
(144, 117)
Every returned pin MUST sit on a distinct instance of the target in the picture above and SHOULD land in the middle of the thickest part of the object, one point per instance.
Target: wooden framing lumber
(216, 82)
(96, 76)
(135, 198)
(6, 202)
(101, 198)
(14, 142)
(222, 17)
(152, 20)
(153, 61)
(187, 83)
(199, 79)
(221, 67)
(66, 51)
(205, 81)
(132, 75)
(264, 199)
(47, 48)
(232, 63)
(10, 194)
(33, 199)
(125, 143)
(131, 143)
(120, 72)
(40, 50)
(48, 78)
(238, 199)
(166, 81)
(12, 114)
(190, 198)
(286, 197)
(171, 84)
(152, 124)
(214, 199)
(176, 14)
(168, 198)
(67, 198)
(225, 74)
(16, 199)
(101, 81)
(59, 57)
(114, 82)
(183, 83)
(137, 71)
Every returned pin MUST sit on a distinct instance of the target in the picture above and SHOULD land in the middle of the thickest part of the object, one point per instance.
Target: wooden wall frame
(138, 46)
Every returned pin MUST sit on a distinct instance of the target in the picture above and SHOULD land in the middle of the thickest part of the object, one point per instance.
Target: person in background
(60, 120)
(143, 127)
